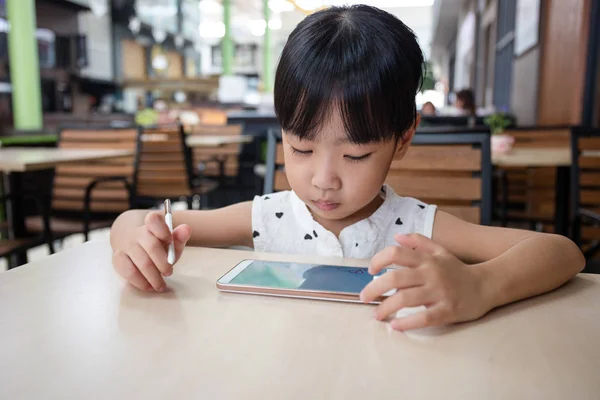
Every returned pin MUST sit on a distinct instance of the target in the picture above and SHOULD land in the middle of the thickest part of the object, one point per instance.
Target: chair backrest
(585, 183)
(452, 170)
(228, 153)
(212, 116)
(533, 189)
(163, 165)
(70, 181)
(217, 130)
(540, 137)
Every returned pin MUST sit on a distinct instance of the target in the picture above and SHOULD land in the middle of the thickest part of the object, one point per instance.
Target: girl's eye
(358, 158)
(300, 152)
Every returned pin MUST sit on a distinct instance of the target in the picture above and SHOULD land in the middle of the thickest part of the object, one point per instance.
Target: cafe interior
(112, 105)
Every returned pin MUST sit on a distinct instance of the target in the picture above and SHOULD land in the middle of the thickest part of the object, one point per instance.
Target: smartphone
(285, 279)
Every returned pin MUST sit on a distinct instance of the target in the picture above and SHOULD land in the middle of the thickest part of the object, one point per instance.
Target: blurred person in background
(465, 102)
(428, 109)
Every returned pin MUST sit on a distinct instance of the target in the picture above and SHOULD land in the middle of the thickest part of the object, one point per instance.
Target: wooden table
(545, 157)
(16, 160)
(21, 159)
(72, 329)
(216, 141)
(534, 157)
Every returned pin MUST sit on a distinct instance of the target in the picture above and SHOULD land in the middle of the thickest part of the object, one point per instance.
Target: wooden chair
(90, 195)
(163, 168)
(528, 194)
(585, 190)
(222, 161)
(212, 116)
(452, 170)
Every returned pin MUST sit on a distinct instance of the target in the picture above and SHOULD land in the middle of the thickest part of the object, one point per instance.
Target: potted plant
(501, 142)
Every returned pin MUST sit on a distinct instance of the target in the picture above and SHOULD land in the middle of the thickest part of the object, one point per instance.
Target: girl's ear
(404, 143)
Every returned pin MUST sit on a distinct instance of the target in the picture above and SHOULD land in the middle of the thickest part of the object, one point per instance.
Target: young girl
(345, 97)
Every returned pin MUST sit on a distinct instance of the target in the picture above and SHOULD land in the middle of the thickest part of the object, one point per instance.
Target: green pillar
(227, 43)
(24, 65)
(267, 65)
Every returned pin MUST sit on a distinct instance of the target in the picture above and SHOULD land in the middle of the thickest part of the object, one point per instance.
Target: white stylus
(169, 222)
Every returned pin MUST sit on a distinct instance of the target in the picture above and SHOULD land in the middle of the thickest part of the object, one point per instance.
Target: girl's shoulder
(277, 197)
(408, 214)
(277, 219)
(273, 204)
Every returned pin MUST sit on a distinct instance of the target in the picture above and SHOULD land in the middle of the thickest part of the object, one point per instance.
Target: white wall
(99, 45)
(419, 19)
(465, 50)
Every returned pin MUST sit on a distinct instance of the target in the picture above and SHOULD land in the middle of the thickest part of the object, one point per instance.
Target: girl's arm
(466, 270)
(515, 264)
(140, 239)
(223, 227)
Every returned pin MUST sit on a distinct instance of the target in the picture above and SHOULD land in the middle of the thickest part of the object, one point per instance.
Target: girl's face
(338, 180)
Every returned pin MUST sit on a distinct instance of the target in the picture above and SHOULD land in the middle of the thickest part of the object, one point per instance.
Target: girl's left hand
(451, 290)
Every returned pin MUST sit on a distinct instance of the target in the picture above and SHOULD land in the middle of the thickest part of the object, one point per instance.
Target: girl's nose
(325, 178)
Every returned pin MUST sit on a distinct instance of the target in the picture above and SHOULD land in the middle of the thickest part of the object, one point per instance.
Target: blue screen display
(281, 275)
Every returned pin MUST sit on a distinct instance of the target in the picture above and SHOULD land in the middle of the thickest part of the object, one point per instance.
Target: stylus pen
(169, 222)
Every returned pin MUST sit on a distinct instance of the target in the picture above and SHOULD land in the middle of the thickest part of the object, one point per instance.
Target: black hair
(360, 59)
(468, 99)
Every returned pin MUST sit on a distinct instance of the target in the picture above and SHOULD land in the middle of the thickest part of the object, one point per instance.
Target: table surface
(20, 159)
(534, 157)
(216, 141)
(252, 114)
(72, 329)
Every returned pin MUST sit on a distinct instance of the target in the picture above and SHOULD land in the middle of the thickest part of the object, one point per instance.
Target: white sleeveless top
(282, 223)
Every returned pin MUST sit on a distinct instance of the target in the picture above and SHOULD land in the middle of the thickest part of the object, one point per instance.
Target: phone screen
(282, 275)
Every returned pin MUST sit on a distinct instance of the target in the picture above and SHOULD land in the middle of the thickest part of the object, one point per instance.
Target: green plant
(428, 79)
(498, 122)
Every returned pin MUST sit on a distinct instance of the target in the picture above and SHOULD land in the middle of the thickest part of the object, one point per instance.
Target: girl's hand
(142, 259)
(451, 290)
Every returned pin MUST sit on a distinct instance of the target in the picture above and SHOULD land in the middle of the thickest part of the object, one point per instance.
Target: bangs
(358, 61)
(306, 108)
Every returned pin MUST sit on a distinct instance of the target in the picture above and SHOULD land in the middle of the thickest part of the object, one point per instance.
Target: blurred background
(197, 75)
(106, 60)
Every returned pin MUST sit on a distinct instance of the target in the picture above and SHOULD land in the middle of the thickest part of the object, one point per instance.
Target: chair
(163, 168)
(585, 190)
(528, 194)
(90, 195)
(212, 116)
(9, 245)
(222, 161)
(452, 170)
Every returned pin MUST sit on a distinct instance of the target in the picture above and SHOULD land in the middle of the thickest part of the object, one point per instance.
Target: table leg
(222, 182)
(15, 217)
(561, 201)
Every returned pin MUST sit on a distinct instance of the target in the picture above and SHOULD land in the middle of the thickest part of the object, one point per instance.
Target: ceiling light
(257, 27)
(212, 29)
(210, 7)
(278, 6)
(275, 24)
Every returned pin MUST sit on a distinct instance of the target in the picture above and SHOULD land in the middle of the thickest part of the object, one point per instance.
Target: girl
(345, 97)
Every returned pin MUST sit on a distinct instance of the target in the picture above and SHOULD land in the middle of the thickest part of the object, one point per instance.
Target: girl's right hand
(142, 260)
